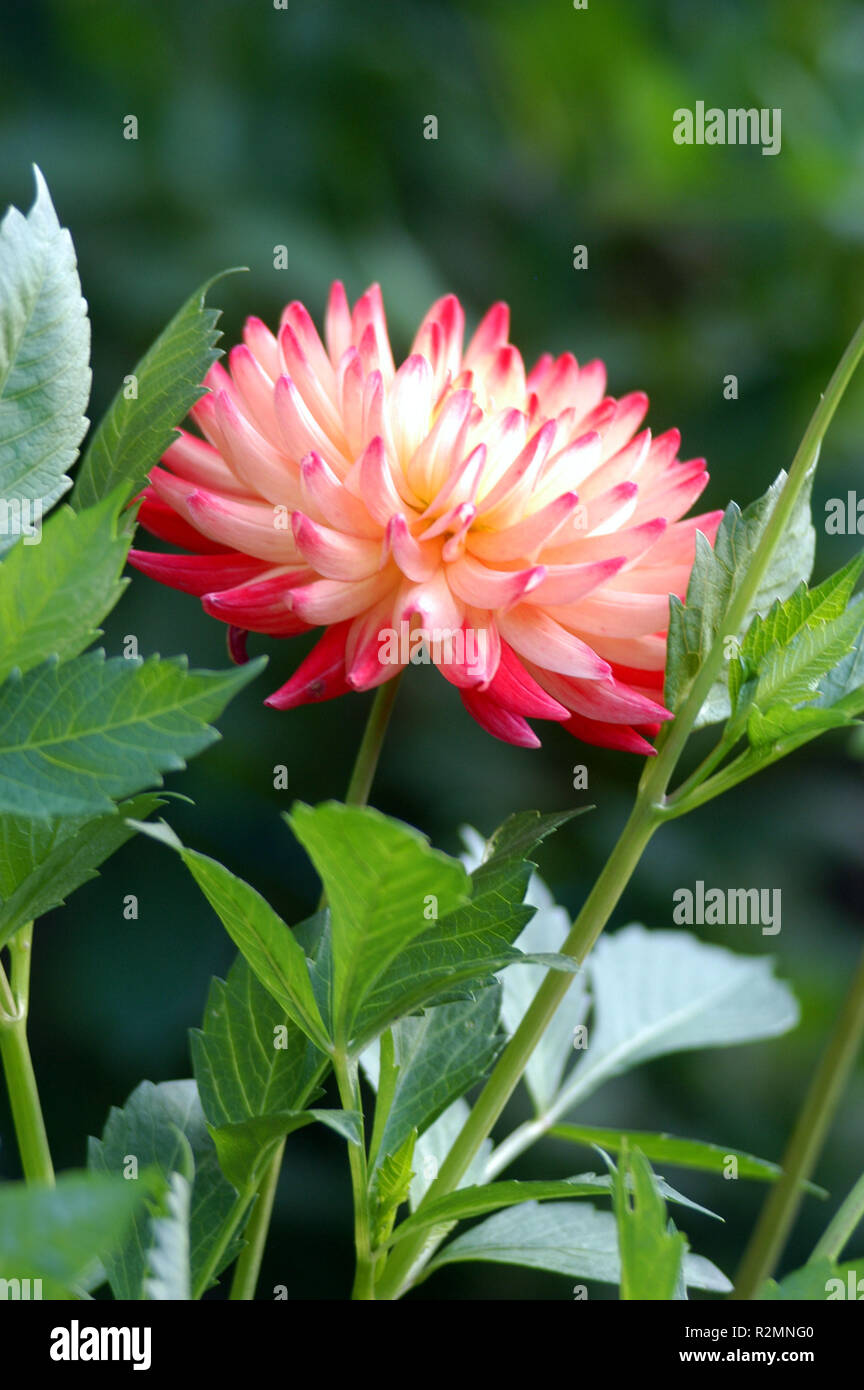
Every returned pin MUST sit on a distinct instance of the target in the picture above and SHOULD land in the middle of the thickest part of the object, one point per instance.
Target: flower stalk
(18, 1065)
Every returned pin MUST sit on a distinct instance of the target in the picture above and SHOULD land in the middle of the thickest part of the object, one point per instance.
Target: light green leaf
(680, 1153)
(136, 431)
(440, 1055)
(651, 1250)
(382, 881)
(716, 576)
(571, 1238)
(168, 1258)
(44, 365)
(157, 1127)
(244, 1149)
(53, 596)
(389, 1188)
(74, 736)
(666, 991)
(43, 861)
(464, 948)
(433, 1146)
(482, 1198)
(57, 1234)
(820, 1281)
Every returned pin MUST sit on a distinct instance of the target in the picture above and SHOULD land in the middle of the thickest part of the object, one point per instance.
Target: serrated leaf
(440, 1055)
(53, 596)
(716, 576)
(665, 991)
(381, 878)
(390, 1186)
(44, 364)
(43, 861)
(56, 1234)
(464, 949)
(158, 1126)
(135, 432)
(74, 736)
(651, 1250)
(255, 1069)
(571, 1238)
(167, 1275)
(680, 1153)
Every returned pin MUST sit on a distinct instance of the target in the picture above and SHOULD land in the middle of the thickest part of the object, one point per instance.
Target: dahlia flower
(511, 527)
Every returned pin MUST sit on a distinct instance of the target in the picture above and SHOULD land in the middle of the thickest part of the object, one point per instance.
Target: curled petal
(498, 721)
(320, 676)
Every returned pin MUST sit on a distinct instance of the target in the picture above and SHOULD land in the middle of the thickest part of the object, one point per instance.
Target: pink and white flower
(458, 493)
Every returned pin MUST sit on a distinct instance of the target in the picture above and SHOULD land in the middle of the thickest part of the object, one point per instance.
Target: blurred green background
(303, 127)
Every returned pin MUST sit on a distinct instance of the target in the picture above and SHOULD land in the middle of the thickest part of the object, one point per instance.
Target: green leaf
(54, 595)
(651, 1250)
(820, 1281)
(440, 1055)
(485, 1197)
(245, 1149)
(158, 1127)
(57, 1234)
(389, 1188)
(666, 991)
(44, 364)
(260, 934)
(789, 669)
(168, 1258)
(43, 861)
(716, 576)
(382, 880)
(571, 1238)
(680, 1153)
(136, 432)
(467, 946)
(74, 736)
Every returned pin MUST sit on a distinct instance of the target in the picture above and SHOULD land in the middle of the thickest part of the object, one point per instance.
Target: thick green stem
(508, 1071)
(359, 787)
(650, 810)
(18, 1065)
(842, 1225)
(248, 1265)
(811, 1128)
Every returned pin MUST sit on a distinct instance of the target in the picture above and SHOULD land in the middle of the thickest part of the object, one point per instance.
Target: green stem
(18, 1065)
(811, 1128)
(359, 787)
(507, 1073)
(650, 810)
(248, 1265)
(371, 743)
(842, 1225)
(349, 1094)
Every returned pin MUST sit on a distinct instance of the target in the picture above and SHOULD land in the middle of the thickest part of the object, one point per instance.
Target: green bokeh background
(303, 127)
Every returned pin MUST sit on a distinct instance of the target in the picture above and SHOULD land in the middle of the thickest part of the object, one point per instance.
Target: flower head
(511, 527)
